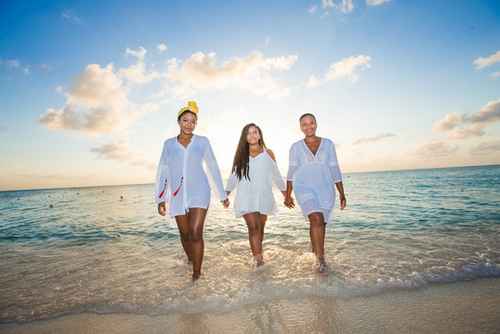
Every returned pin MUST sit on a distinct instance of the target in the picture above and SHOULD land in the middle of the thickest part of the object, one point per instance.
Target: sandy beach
(463, 307)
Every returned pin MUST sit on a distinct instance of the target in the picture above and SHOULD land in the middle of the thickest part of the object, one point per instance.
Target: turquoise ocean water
(95, 252)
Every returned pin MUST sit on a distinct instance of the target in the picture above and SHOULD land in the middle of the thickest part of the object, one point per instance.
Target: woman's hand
(289, 202)
(343, 202)
(225, 203)
(162, 210)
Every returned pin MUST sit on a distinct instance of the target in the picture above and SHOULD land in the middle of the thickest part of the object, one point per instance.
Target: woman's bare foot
(196, 276)
(259, 260)
(323, 267)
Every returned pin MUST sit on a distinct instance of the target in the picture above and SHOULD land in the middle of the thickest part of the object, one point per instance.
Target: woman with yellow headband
(182, 182)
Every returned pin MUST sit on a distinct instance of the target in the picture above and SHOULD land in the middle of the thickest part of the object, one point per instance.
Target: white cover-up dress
(314, 177)
(256, 195)
(181, 180)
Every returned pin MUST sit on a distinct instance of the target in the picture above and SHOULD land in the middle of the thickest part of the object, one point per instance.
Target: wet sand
(463, 307)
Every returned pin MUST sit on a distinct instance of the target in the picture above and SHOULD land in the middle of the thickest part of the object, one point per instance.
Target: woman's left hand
(343, 202)
(225, 203)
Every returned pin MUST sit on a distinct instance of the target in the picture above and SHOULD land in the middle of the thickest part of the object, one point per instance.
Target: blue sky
(396, 84)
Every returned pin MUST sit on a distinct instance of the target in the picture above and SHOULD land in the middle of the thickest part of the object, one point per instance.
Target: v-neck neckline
(187, 146)
(317, 150)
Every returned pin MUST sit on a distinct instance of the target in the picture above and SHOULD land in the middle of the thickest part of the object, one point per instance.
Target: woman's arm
(161, 184)
(293, 165)
(334, 167)
(277, 178)
(231, 183)
(214, 171)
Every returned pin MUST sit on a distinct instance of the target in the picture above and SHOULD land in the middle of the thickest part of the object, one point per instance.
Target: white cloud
(373, 139)
(162, 47)
(436, 149)
(137, 73)
(465, 126)
(253, 73)
(97, 103)
(483, 62)
(376, 2)
(348, 68)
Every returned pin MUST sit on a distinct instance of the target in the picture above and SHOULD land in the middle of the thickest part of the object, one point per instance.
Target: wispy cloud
(485, 148)
(483, 62)
(119, 151)
(436, 149)
(345, 6)
(348, 68)
(373, 139)
(376, 2)
(16, 65)
(70, 16)
(464, 126)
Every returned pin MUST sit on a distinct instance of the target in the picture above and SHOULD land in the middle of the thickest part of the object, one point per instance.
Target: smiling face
(308, 126)
(253, 135)
(187, 123)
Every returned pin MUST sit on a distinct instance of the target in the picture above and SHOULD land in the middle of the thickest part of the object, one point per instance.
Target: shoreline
(458, 307)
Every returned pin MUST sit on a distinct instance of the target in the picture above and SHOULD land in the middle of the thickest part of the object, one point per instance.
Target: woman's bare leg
(254, 235)
(196, 222)
(183, 225)
(317, 233)
(262, 219)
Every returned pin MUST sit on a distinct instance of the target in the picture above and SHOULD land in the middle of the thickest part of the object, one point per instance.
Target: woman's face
(187, 123)
(308, 126)
(253, 135)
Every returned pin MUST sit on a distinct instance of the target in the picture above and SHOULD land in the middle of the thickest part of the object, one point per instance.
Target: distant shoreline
(346, 173)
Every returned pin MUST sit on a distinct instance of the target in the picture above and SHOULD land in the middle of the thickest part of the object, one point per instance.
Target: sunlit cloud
(253, 73)
(465, 126)
(137, 72)
(97, 103)
(348, 68)
(483, 62)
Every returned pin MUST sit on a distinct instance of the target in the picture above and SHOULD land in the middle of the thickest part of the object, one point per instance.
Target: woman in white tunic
(182, 182)
(253, 173)
(313, 171)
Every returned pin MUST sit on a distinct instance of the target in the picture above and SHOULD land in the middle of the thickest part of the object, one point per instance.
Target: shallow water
(94, 252)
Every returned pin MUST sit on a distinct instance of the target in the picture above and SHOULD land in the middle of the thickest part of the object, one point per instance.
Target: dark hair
(242, 155)
(307, 114)
(185, 111)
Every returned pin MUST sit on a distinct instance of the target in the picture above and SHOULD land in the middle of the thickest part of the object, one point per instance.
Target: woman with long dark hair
(182, 182)
(312, 173)
(253, 173)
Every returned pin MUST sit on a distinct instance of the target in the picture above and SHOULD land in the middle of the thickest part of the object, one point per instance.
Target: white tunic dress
(256, 195)
(314, 177)
(181, 180)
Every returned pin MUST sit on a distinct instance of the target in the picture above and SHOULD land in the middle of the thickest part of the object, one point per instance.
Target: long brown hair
(242, 155)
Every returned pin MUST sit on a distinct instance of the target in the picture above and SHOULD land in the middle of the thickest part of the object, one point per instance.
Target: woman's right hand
(162, 210)
(289, 203)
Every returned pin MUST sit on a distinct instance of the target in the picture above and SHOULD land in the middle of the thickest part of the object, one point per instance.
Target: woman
(182, 182)
(254, 170)
(313, 171)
